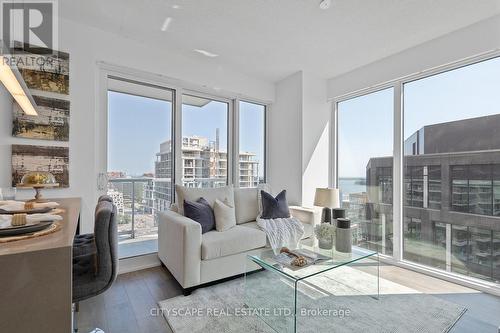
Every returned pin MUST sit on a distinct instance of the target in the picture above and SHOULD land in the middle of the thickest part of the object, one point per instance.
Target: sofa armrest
(179, 247)
(306, 215)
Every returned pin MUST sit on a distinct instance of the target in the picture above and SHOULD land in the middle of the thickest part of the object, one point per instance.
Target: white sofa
(195, 259)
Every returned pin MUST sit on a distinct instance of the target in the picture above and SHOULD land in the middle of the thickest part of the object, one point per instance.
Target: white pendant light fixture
(14, 83)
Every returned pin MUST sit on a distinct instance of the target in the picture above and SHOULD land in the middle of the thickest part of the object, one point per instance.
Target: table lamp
(327, 198)
(38, 180)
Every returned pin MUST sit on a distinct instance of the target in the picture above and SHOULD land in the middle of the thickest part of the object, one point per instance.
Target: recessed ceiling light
(176, 6)
(325, 4)
(206, 53)
(166, 24)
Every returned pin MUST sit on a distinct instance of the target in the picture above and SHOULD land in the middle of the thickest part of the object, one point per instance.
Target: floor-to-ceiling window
(140, 167)
(451, 163)
(204, 142)
(365, 150)
(252, 139)
(450, 177)
(143, 160)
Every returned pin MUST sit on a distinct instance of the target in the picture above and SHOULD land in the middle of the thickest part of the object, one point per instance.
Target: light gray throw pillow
(209, 194)
(225, 217)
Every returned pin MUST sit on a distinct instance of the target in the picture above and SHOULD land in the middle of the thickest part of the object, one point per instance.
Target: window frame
(229, 128)
(236, 146)
(398, 158)
(132, 87)
(178, 87)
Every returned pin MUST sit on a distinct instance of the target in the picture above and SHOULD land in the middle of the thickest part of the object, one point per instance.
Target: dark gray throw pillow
(274, 208)
(201, 212)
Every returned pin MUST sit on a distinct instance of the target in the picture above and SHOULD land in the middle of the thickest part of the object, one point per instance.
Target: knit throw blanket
(282, 232)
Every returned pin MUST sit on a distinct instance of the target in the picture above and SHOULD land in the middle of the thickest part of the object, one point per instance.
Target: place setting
(27, 219)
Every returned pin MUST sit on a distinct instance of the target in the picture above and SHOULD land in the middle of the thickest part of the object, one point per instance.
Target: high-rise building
(204, 164)
(161, 192)
(451, 197)
(249, 170)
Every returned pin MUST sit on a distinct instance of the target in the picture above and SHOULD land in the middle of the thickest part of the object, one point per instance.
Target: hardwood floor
(126, 306)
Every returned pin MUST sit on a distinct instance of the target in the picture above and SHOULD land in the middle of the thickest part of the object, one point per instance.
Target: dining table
(36, 277)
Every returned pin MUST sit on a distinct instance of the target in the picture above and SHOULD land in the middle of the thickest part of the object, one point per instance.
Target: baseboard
(138, 263)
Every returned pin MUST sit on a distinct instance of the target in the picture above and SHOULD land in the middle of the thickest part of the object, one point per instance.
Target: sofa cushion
(238, 239)
(210, 194)
(247, 204)
(201, 212)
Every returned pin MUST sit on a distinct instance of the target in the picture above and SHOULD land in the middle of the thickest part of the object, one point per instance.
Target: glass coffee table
(286, 297)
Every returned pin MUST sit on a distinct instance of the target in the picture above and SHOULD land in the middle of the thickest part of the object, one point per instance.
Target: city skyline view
(450, 176)
(140, 124)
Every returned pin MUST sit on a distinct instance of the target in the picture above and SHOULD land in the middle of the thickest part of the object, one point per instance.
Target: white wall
(285, 138)
(299, 137)
(467, 42)
(87, 46)
(316, 115)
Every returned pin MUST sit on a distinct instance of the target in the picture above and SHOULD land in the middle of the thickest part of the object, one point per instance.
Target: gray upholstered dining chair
(84, 244)
(95, 256)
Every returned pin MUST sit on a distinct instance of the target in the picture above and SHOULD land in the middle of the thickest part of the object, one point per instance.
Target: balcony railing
(135, 201)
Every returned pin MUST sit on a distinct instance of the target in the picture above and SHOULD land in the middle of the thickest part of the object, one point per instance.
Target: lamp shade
(327, 197)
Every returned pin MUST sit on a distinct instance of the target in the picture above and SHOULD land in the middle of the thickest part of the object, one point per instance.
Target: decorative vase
(325, 243)
(343, 237)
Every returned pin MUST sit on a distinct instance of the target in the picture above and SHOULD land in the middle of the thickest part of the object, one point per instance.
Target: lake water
(351, 185)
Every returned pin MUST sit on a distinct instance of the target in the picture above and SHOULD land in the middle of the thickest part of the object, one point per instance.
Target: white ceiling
(270, 39)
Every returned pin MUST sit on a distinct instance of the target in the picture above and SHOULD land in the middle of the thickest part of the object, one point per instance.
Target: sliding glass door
(140, 161)
(154, 137)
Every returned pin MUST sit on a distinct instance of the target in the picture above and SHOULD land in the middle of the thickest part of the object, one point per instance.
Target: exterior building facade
(161, 192)
(117, 199)
(249, 170)
(451, 198)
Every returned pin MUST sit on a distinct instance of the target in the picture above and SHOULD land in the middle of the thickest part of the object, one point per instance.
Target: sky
(137, 125)
(366, 122)
(204, 121)
(252, 131)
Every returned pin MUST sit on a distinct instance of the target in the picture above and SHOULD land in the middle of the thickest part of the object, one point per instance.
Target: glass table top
(334, 259)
